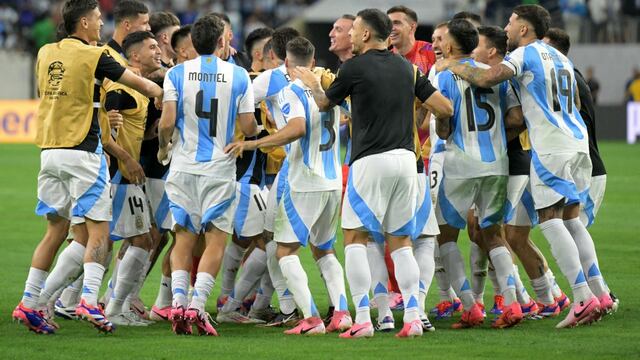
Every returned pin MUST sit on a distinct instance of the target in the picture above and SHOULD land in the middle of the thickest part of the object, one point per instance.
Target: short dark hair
(224, 17)
(133, 39)
(378, 21)
(73, 10)
(496, 36)
(405, 10)
(464, 34)
(537, 16)
(205, 34)
(267, 46)
(180, 34)
(280, 38)
(559, 39)
(301, 50)
(162, 20)
(348, 17)
(127, 9)
(467, 15)
(255, 36)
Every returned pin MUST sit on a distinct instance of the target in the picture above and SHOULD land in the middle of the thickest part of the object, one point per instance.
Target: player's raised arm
(142, 85)
(484, 78)
(310, 80)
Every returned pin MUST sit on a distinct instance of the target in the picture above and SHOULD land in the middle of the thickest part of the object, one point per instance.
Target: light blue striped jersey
(266, 87)
(210, 93)
(547, 88)
(314, 159)
(477, 145)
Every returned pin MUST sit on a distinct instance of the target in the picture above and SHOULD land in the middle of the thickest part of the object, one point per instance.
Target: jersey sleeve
(260, 86)
(423, 89)
(515, 61)
(341, 87)
(119, 100)
(246, 103)
(290, 104)
(108, 68)
(511, 99)
(170, 88)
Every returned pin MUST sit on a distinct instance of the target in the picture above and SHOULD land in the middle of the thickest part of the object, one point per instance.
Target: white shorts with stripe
(131, 215)
(73, 184)
(198, 200)
(426, 222)
(308, 217)
(436, 163)
(519, 210)
(592, 199)
(381, 195)
(251, 207)
(275, 195)
(556, 177)
(159, 204)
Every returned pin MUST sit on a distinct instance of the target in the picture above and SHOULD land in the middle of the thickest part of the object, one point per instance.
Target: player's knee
(286, 250)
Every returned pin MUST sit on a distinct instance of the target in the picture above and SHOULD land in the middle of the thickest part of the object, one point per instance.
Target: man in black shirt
(381, 194)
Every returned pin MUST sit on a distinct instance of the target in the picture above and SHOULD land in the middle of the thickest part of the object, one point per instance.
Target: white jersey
(210, 94)
(547, 88)
(477, 145)
(266, 87)
(314, 159)
(437, 144)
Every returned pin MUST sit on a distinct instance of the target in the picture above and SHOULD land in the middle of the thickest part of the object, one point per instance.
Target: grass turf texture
(618, 336)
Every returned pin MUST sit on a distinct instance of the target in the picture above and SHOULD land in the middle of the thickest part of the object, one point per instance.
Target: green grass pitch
(617, 336)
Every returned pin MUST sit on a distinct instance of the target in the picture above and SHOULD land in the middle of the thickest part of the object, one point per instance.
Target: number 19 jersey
(477, 146)
(210, 93)
(314, 159)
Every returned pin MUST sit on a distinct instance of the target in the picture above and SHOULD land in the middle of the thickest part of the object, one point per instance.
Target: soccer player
(163, 25)
(308, 213)
(73, 178)
(255, 46)
(560, 161)
(227, 52)
(182, 45)
(204, 99)
(340, 43)
(382, 87)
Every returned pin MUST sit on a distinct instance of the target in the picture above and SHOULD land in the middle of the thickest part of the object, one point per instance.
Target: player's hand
(237, 148)
(443, 64)
(232, 51)
(306, 75)
(158, 102)
(115, 119)
(164, 154)
(135, 171)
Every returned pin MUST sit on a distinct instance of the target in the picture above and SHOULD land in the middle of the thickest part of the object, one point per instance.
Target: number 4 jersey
(314, 163)
(477, 145)
(547, 88)
(210, 93)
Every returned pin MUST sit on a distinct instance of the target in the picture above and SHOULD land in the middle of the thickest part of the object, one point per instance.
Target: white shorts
(426, 222)
(198, 200)
(250, 209)
(308, 217)
(159, 204)
(275, 195)
(73, 183)
(436, 162)
(130, 212)
(592, 199)
(556, 177)
(457, 196)
(519, 210)
(381, 195)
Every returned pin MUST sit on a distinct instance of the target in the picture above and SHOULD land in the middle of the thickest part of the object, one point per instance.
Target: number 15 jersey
(477, 146)
(210, 93)
(314, 159)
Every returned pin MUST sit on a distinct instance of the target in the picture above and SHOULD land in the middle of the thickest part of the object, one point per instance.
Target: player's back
(477, 144)
(547, 88)
(314, 159)
(210, 93)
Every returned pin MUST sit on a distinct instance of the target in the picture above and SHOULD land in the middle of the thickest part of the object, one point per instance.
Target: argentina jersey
(547, 88)
(477, 145)
(210, 93)
(266, 88)
(314, 159)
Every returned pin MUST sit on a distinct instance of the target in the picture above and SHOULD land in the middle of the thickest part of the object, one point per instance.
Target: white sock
(521, 291)
(408, 277)
(503, 263)
(201, 290)
(252, 270)
(131, 266)
(555, 288)
(479, 265)
(285, 298)
(356, 267)
(264, 293)
(491, 271)
(230, 264)
(68, 268)
(93, 273)
(588, 257)
(179, 288)
(106, 297)
(164, 293)
(379, 279)
(333, 276)
(454, 267)
(33, 287)
(298, 284)
(565, 252)
(423, 249)
(542, 288)
(135, 292)
(70, 296)
(442, 279)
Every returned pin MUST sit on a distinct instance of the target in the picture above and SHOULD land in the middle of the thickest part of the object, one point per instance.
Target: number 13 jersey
(477, 145)
(210, 93)
(547, 88)
(314, 159)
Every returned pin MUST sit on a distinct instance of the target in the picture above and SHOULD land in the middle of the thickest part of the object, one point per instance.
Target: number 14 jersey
(210, 93)
(314, 159)
(477, 146)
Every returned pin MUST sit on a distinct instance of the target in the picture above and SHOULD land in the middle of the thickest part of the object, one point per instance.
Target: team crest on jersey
(56, 73)
(286, 108)
(139, 222)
